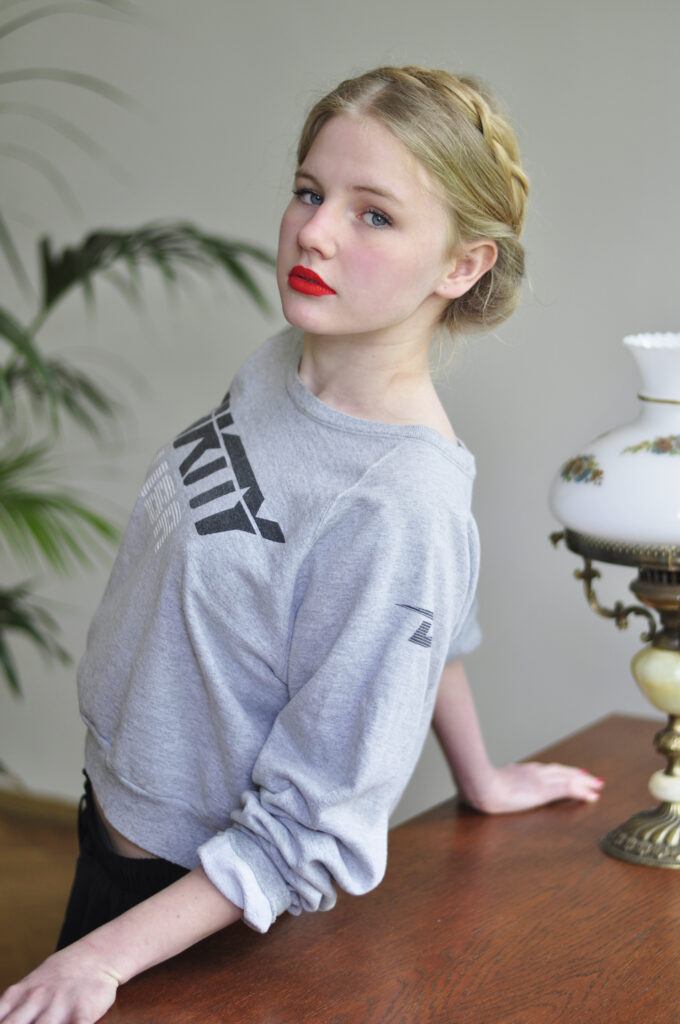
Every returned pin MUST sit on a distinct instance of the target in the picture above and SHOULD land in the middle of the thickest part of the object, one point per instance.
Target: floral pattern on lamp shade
(659, 446)
(582, 469)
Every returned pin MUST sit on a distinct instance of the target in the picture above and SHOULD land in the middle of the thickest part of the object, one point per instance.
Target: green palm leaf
(41, 522)
(13, 258)
(51, 383)
(165, 245)
(105, 10)
(24, 615)
(67, 130)
(96, 85)
(100, 8)
(47, 169)
(70, 389)
(22, 342)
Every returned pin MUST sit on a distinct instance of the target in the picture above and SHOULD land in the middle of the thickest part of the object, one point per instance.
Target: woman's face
(365, 243)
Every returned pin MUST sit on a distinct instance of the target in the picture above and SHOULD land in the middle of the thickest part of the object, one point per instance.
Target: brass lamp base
(650, 837)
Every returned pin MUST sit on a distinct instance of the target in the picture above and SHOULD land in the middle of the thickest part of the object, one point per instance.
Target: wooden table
(518, 919)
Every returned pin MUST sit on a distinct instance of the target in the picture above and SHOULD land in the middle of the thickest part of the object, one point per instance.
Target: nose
(319, 232)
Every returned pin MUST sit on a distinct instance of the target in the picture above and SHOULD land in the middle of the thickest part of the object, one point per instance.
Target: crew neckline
(312, 406)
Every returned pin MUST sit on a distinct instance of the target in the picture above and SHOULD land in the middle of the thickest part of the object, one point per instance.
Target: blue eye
(308, 196)
(376, 219)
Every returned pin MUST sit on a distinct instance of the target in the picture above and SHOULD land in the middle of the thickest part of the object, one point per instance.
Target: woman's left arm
(514, 787)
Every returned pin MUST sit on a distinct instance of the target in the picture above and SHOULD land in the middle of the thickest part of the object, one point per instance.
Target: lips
(301, 279)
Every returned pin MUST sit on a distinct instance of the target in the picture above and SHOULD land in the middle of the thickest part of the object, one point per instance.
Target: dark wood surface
(516, 919)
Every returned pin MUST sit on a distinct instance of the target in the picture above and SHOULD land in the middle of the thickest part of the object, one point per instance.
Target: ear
(471, 261)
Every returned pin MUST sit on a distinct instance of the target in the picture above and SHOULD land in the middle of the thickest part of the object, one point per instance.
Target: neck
(371, 380)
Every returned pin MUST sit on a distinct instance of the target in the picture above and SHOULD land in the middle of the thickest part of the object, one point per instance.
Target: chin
(304, 315)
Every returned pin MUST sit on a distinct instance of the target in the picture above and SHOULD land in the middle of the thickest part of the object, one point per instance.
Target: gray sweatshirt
(261, 673)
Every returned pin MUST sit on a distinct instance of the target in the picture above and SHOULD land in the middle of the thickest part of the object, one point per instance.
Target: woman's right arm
(79, 983)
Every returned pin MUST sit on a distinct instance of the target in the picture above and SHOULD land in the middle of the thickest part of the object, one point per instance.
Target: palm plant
(42, 521)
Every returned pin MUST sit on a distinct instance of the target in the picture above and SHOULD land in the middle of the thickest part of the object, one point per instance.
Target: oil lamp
(619, 501)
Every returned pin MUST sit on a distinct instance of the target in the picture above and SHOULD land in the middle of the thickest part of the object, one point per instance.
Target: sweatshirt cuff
(231, 861)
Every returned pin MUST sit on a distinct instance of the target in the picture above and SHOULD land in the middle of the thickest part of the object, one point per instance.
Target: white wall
(222, 86)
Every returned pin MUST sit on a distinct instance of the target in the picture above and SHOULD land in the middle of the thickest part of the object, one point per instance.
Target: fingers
(19, 1007)
(44, 998)
(566, 782)
(521, 787)
(586, 786)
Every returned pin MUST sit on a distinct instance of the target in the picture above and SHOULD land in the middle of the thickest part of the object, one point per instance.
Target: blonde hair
(455, 129)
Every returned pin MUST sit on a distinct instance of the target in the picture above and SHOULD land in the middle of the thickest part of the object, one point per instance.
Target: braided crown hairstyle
(454, 128)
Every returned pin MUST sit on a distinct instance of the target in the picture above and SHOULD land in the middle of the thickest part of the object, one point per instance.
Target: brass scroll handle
(620, 612)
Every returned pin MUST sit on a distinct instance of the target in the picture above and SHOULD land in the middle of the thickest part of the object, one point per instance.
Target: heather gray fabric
(261, 672)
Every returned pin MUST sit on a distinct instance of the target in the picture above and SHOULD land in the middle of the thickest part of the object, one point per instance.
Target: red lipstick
(301, 279)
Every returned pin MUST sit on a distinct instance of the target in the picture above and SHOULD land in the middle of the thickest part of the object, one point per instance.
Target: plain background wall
(221, 88)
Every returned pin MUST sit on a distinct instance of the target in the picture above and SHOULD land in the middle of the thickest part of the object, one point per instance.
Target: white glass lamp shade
(624, 487)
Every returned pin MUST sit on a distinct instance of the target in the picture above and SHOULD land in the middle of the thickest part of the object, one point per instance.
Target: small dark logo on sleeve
(422, 635)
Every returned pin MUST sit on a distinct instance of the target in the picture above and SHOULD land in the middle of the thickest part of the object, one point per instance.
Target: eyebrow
(373, 189)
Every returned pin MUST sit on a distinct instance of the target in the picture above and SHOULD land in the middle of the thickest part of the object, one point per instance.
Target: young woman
(296, 586)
